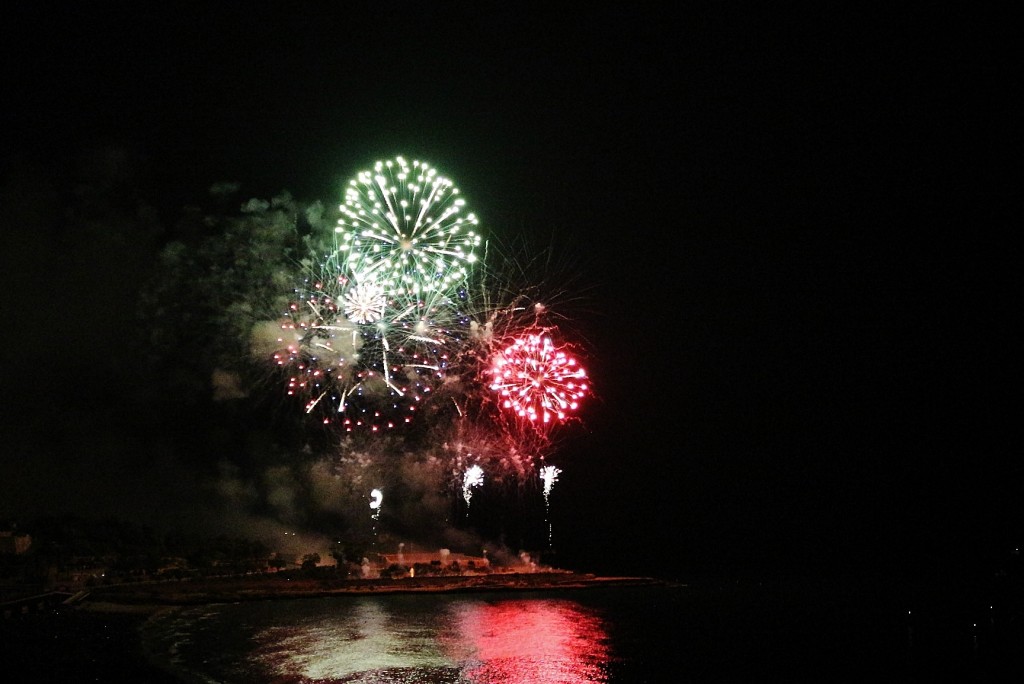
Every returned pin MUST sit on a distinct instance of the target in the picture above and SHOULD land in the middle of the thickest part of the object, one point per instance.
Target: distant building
(442, 560)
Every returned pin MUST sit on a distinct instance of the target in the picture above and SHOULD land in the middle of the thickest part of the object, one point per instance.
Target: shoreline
(151, 597)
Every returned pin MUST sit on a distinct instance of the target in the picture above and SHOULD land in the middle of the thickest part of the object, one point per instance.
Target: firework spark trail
(376, 501)
(549, 474)
(474, 477)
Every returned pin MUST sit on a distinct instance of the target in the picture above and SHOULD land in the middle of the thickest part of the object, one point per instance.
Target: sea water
(601, 635)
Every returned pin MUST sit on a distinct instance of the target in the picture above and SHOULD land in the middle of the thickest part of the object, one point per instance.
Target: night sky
(793, 228)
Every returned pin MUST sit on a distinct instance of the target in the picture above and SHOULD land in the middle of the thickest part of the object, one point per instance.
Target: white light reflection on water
(366, 638)
(466, 640)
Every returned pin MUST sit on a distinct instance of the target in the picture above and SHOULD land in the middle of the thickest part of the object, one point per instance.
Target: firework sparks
(474, 477)
(365, 303)
(376, 335)
(549, 474)
(376, 500)
(537, 381)
(363, 360)
(405, 227)
(428, 355)
(402, 318)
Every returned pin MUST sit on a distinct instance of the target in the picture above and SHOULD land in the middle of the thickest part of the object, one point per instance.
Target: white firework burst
(549, 474)
(365, 303)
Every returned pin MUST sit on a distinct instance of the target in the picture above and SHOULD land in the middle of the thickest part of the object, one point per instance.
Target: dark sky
(795, 222)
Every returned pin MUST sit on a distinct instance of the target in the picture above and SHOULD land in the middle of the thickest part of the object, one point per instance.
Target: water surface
(601, 636)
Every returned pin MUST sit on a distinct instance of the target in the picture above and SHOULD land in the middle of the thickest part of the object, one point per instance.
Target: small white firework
(474, 477)
(549, 474)
(376, 499)
(365, 303)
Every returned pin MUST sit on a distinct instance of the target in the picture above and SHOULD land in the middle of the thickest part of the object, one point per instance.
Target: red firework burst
(537, 381)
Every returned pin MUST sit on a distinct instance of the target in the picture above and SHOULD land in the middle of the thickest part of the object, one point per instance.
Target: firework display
(401, 327)
(391, 321)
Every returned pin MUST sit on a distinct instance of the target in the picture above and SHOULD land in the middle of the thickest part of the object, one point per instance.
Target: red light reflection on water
(528, 642)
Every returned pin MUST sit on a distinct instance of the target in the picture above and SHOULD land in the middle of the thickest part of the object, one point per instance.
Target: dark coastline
(271, 587)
